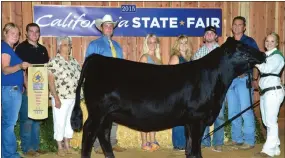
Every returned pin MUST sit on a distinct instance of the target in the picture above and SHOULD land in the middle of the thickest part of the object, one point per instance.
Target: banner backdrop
(37, 92)
(80, 20)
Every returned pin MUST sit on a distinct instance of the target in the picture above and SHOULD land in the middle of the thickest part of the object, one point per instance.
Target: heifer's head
(242, 56)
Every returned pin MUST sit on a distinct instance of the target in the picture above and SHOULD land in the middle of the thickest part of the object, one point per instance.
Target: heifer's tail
(77, 116)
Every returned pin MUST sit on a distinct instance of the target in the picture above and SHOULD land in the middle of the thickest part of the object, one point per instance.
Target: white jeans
(61, 119)
(270, 103)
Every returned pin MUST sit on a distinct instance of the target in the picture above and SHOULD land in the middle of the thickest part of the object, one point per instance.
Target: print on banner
(37, 92)
(132, 21)
(38, 81)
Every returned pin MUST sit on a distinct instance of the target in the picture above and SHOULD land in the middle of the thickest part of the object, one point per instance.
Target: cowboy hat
(108, 19)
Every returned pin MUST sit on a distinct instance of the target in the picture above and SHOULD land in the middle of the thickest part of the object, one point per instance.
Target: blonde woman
(151, 55)
(272, 95)
(181, 53)
(11, 87)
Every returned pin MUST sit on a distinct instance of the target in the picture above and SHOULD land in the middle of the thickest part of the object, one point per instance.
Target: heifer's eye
(245, 56)
(229, 51)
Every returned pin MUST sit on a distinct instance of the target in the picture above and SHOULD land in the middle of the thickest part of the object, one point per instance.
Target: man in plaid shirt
(210, 43)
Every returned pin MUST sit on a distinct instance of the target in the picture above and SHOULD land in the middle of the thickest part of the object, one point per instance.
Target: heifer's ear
(230, 45)
(230, 40)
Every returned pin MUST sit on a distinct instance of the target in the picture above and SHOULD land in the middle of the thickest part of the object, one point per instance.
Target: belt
(269, 89)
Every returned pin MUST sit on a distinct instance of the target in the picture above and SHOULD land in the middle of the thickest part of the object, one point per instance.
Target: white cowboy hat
(107, 18)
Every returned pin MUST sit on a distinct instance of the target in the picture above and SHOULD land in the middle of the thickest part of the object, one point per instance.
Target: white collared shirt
(274, 65)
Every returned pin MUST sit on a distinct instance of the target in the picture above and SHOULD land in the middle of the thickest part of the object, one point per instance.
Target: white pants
(270, 103)
(61, 119)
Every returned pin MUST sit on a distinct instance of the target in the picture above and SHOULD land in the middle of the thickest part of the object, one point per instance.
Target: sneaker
(245, 147)
(179, 149)
(217, 148)
(146, 147)
(154, 146)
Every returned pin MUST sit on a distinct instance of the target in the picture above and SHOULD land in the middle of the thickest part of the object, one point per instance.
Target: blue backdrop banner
(80, 20)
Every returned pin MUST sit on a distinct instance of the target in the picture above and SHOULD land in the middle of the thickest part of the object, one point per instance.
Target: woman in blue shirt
(12, 87)
(150, 55)
(181, 53)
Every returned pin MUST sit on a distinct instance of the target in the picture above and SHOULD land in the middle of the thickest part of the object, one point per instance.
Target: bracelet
(255, 79)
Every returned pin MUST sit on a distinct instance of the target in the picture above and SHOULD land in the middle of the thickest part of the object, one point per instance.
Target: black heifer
(149, 97)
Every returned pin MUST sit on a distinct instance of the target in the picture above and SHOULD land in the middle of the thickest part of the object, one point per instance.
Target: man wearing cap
(238, 96)
(210, 43)
(107, 47)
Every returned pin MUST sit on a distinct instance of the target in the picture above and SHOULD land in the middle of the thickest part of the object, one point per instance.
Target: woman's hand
(57, 102)
(24, 65)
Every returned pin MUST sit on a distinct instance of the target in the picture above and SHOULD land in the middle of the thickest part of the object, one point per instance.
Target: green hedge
(49, 144)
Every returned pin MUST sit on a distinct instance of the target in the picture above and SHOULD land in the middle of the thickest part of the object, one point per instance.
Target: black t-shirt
(31, 54)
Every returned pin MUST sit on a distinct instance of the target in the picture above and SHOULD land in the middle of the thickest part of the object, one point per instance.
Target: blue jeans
(29, 129)
(178, 137)
(218, 138)
(238, 100)
(11, 103)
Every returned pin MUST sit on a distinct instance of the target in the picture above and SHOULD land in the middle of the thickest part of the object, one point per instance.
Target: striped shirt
(204, 50)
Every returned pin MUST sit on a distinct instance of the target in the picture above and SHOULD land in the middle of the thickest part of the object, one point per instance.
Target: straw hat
(108, 19)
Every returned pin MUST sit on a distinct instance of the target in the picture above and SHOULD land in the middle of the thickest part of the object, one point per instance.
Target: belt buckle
(15, 88)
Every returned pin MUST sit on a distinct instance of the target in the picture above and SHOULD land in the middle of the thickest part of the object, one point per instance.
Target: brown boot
(218, 148)
(233, 145)
(117, 148)
(32, 153)
(41, 152)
